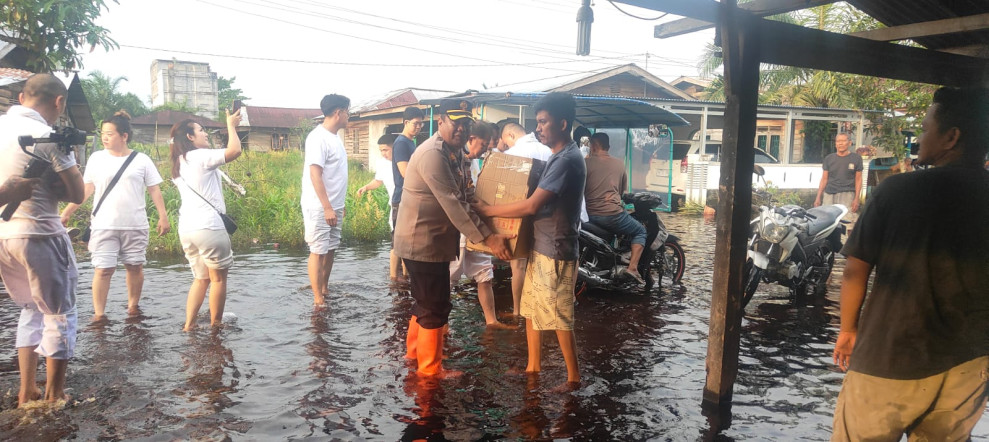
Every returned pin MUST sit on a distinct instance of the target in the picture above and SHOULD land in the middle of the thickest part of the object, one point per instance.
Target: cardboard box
(506, 179)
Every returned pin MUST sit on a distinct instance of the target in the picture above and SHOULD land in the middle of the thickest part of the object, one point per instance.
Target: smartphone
(236, 106)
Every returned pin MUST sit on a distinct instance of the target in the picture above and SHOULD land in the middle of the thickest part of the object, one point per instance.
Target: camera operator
(37, 262)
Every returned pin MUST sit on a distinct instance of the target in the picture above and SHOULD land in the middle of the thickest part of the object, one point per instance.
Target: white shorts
(207, 249)
(40, 275)
(320, 236)
(106, 245)
(475, 265)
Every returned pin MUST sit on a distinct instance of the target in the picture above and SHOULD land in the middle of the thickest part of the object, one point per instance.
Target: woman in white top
(204, 239)
(119, 229)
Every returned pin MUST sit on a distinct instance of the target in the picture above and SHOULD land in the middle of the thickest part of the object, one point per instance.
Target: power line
(365, 39)
(308, 13)
(344, 63)
(636, 16)
(453, 30)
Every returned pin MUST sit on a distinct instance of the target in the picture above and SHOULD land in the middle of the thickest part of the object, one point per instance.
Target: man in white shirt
(37, 262)
(324, 192)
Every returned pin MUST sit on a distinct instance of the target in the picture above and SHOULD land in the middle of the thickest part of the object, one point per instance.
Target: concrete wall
(174, 81)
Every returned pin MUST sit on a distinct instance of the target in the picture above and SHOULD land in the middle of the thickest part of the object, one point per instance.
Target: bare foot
(566, 387)
(319, 300)
(189, 327)
(100, 319)
(134, 311)
(519, 372)
(33, 395)
(500, 326)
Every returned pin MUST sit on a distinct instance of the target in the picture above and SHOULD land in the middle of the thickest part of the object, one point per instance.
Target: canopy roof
(592, 111)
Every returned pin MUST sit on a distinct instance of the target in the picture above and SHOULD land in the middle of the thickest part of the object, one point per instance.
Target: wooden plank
(926, 29)
(759, 8)
(734, 211)
(792, 45)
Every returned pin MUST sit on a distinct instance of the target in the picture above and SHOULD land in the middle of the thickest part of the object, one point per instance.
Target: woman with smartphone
(116, 177)
(201, 230)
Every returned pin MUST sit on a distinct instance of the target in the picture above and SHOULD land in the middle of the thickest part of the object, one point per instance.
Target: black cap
(456, 108)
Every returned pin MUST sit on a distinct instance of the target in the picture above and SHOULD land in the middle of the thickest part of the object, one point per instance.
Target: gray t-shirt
(841, 172)
(556, 224)
(926, 234)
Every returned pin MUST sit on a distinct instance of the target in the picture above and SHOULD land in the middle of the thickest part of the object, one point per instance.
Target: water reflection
(208, 389)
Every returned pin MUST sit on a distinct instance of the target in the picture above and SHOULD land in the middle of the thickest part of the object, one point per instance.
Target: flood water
(280, 371)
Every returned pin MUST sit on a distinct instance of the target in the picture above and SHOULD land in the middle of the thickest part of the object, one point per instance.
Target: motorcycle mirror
(758, 170)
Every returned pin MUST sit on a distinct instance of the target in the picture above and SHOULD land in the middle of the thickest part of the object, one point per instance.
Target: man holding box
(547, 294)
(434, 208)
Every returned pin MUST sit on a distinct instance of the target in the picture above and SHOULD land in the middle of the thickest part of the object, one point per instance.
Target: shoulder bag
(86, 233)
(228, 222)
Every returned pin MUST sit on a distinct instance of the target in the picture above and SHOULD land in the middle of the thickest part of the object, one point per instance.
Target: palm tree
(105, 98)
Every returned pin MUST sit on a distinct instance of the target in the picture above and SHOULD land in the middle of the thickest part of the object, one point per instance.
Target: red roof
(170, 117)
(258, 116)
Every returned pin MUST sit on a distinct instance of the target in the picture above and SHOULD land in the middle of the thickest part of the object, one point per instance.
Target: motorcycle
(604, 256)
(793, 247)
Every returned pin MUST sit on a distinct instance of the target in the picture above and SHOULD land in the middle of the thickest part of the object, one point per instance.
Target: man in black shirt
(921, 342)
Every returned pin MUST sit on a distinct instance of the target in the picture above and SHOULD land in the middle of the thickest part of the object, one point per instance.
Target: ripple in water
(282, 371)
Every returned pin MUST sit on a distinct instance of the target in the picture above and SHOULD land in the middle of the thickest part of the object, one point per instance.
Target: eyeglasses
(415, 123)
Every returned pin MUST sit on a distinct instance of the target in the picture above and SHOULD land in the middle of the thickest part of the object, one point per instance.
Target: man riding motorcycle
(603, 190)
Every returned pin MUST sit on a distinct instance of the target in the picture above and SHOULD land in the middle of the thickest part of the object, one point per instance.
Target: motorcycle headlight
(774, 233)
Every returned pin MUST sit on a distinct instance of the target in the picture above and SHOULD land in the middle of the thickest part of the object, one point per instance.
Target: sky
(289, 53)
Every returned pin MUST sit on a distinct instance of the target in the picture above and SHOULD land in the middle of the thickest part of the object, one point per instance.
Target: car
(664, 174)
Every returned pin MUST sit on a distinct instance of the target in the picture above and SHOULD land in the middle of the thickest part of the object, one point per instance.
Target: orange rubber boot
(430, 351)
(412, 339)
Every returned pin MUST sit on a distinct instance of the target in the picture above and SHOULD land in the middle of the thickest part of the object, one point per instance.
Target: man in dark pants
(433, 214)
(402, 149)
(921, 341)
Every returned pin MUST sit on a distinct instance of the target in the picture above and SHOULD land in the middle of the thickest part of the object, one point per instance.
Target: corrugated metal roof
(11, 76)
(170, 117)
(905, 12)
(399, 98)
(258, 116)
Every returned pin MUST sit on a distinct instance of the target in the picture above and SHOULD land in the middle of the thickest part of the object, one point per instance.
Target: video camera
(63, 137)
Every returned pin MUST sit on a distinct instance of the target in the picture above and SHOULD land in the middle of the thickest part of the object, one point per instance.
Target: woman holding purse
(116, 177)
(201, 228)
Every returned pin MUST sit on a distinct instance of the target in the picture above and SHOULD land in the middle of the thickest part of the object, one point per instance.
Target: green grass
(270, 212)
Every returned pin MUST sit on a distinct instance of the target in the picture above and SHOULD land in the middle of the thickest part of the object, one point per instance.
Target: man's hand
(498, 243)
(65, 218)
(361, 191)
(817, 202)
(163, 226)
(855, 205)
(330, 216)
(843, 349)
(17, 189)
(481, 207)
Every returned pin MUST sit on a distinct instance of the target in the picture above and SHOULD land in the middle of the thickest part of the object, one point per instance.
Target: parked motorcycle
(793, 247)
(603, 256)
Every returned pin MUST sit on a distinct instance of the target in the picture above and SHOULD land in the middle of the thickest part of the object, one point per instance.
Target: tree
(226, 95)
(52, 31)
(104, 97)
(175, 106)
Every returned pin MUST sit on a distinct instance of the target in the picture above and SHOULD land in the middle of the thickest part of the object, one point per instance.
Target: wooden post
(741, 64)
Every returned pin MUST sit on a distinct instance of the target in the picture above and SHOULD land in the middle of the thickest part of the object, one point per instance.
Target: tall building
(188, 82)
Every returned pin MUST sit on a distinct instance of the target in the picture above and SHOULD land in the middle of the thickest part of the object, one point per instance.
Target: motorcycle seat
(598, 231)
(825, 217)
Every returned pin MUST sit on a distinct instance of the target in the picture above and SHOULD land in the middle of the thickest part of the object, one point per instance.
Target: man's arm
(858, 190)
(402, 165)
(17, 189)
(75, 190)
(853, 290)
(371, 185)
(518, 209)
(71, 208)
(316, 176)
(820, 188)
